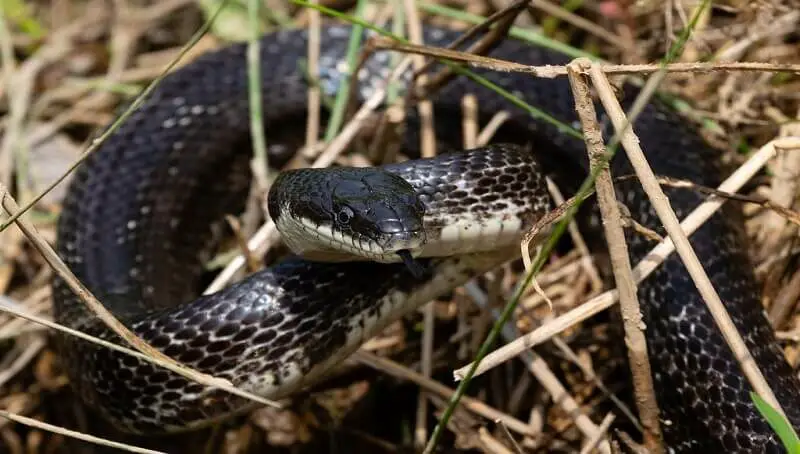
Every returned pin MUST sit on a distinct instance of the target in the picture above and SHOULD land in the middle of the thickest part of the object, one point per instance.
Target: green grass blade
(343, 94)
(778, 423)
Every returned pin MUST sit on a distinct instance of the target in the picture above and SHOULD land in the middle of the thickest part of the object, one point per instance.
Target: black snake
(142, 206)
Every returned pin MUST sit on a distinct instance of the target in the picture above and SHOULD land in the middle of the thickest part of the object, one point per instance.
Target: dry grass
(59, 86)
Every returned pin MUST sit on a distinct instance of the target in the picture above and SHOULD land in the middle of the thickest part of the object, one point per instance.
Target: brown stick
(620, 261)
(551, 71)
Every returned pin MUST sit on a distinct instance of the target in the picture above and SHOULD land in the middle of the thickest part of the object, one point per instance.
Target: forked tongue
(416, 268)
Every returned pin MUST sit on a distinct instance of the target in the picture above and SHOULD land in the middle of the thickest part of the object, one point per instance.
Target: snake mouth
(385, 247)
(323, 239)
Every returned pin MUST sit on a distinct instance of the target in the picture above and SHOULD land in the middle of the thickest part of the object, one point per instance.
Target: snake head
(347, 213)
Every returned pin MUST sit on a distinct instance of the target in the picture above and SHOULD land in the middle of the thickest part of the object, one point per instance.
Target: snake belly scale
(141, 208)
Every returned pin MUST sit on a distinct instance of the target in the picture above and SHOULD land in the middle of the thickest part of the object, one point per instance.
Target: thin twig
(74, 434)
(474, 405)
(786, 214)
(621, 265)
(602, 431)
(551, 71)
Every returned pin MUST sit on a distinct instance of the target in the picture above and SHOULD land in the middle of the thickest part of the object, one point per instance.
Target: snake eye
(344, 215)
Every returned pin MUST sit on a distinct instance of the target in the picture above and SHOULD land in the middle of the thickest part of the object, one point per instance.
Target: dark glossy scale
(142, 206)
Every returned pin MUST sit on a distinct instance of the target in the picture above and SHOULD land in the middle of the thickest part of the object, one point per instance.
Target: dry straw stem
(551, 71)
(778, 210)
(509, 436)
(314, 95)
(577, 238)
(13, 309)
(591, 376)
(74, 434)
(671, 224)
(29, 351)
(491, 444)
(474, 405)
(544, 375)
(469, 121)
(645, 266)
(491, 127)
(153, 355)
(620, 261)
(602, 430)
(561, 397)
(428, 146)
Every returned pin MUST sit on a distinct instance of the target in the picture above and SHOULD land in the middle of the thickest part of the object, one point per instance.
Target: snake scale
(141, 208)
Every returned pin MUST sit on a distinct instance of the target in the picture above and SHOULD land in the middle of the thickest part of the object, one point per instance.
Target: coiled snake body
(140, 209)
